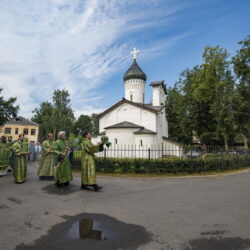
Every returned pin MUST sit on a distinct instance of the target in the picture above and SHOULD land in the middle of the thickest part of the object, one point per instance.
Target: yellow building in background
(19, 125)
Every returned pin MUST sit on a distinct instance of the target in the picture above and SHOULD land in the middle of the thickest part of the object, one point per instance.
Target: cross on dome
(134, 52)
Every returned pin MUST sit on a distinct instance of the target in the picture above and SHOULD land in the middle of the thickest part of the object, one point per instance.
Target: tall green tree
(197, 99)
(44, 117)
(204, 96)
(62, 112)
(179, 124)
(7, 109)
(55, 116)
(83, 123)
(95, 123)
(241, 63)
(218, 72)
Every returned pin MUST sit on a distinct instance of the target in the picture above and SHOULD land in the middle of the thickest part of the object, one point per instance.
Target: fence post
(149, 154)
(105, 153)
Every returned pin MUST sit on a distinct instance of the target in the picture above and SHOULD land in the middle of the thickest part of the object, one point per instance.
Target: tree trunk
(226, 144)
(245, 143)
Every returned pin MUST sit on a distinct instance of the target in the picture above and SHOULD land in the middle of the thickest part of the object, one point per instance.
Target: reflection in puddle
(87, 228)
(90, 231)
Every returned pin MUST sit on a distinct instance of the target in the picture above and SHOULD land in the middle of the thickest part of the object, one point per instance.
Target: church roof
(158, 83)
(19, 120)
(134, 72)
(144, 131)
(124, 124)
(149, 107)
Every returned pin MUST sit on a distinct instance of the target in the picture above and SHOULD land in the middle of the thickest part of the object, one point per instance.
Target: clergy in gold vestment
(4, 155)
(63, 171)
(47, 162)
(88, 173)
(20, 150)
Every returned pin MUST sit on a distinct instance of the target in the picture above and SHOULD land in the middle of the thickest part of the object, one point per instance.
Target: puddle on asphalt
(91, 231)
(53, 189)
(87, 228)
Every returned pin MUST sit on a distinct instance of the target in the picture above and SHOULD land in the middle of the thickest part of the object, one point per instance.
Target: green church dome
(134, 72)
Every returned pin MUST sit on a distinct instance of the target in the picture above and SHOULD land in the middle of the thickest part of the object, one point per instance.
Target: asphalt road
(205, 213)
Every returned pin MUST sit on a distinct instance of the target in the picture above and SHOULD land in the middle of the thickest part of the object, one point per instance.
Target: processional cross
(134, 52)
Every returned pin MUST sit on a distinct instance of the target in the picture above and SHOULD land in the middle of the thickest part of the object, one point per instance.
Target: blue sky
(84, 46)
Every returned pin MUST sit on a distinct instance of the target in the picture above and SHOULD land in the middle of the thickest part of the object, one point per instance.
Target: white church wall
(148, 120)
(129, 113)
(148, 149)
(145, 140)
(121, 136)
(172, 149)
(162, 124)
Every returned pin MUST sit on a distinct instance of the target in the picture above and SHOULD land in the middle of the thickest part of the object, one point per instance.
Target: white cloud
(72, 44)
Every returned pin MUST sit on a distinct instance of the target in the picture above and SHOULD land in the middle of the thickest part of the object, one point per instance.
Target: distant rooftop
(19, 120)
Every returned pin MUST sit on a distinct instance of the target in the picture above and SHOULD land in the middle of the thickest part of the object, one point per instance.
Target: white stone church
(132, 122)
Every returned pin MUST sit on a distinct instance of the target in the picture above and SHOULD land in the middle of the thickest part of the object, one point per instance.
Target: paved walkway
(207, 213)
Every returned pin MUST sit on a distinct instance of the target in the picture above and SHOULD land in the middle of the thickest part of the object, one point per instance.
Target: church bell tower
(134, 81)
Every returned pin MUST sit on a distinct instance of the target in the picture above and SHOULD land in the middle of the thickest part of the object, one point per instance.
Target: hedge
(169, 165)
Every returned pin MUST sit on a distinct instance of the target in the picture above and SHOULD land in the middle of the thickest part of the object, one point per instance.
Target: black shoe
(97, 188)
(85, 187)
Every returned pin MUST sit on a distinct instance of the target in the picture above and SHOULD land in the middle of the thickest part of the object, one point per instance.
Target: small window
(26, 131)
(33, 132)
(141, 143)
(7, 131)
(116, 140)
(16, 131)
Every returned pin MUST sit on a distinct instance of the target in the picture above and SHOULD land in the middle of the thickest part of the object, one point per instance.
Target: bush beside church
(169, 165)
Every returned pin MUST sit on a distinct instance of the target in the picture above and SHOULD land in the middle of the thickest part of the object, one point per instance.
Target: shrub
(169, 165)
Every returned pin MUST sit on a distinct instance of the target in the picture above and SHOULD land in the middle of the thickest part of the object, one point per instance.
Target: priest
(88, 171)
(4, 155)
(20, 151)
(48, 159)
(63, 171)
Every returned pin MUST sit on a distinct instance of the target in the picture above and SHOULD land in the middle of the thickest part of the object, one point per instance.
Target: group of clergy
(55, 161)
